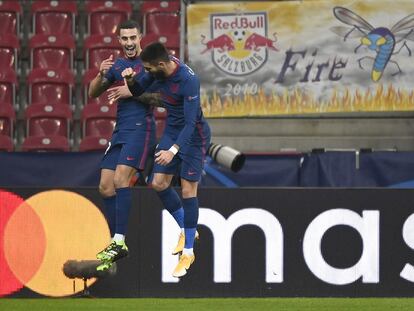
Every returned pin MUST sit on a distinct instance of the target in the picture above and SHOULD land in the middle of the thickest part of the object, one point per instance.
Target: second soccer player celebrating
(184, 143)
(131, 141)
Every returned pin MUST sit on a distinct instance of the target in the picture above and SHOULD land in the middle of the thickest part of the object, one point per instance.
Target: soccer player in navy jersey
(132, 138)
(184, 143)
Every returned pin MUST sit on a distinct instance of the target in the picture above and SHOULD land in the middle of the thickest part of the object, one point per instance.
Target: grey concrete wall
(304, 134)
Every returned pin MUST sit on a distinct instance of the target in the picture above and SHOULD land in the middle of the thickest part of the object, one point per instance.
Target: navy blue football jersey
(180, 93)
(130, 111)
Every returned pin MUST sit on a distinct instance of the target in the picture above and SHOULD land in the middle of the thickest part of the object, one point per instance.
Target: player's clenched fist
(105, 65)
(128, 74)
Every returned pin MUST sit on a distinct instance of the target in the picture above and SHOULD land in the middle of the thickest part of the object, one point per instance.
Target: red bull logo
(239, 44)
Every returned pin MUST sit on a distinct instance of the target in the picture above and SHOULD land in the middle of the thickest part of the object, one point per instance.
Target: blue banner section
(388, 169)
(260, 171)
(60, 169)
(326, 169)
(330, 169)
(351, 169)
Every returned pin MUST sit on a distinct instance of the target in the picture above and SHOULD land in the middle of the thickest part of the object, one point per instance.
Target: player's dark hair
(128, 24)
(154, 53)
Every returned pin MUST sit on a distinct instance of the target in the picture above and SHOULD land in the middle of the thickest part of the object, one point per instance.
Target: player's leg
(163, 174)
(132, 157)
(192, 163)
(123, 175)
(171, 201)
(190, 205)
(106, 183)
(190, 173)
(107, 191)
(118, 249)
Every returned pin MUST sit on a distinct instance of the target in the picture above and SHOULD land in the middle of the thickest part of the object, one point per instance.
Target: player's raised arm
(102, 81)
(191, 109)
(119, 92)
(152, 99)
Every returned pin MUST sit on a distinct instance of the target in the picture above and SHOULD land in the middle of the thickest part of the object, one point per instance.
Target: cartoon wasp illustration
(381, 40)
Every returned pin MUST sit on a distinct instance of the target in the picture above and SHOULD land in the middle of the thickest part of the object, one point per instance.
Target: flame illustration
(296, 102)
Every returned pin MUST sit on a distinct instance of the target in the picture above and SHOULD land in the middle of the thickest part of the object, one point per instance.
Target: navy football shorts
(189, 160)
(129, 147)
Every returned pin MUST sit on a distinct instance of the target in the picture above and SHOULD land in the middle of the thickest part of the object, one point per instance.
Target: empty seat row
(59, 17)
(53, 44)
(49, 124)
(51, 79)
(50, 51)
(43, 86)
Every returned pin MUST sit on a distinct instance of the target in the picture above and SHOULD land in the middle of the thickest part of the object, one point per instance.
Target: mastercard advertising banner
(303, 57)
(254, 242)
(40, 233)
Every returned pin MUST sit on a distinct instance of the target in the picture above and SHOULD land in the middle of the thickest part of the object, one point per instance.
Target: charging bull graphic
(239, 44)
(256, 41)
(222, 43)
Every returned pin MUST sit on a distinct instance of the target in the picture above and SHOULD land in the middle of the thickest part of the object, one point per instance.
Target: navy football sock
(179, 217)
(110, 212)
(123, 206)
(172, 203)
(190, 220)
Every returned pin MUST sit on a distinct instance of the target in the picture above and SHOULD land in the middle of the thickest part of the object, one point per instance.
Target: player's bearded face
(158, 73)
(130, 41)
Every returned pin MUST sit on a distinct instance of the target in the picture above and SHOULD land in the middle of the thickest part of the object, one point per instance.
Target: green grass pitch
(209, 304)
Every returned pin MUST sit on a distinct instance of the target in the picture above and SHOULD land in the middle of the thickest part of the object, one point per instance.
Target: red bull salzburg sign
(267, 58)
(239, 43)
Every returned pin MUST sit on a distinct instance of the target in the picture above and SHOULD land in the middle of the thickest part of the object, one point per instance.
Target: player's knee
(121, 181)
(159, 185)
(188, 192)
(106, 190)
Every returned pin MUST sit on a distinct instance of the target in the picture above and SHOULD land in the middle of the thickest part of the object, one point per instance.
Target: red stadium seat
(7, 118)
(10, 13)
(159, 127)
(104, 16)
(45, 143)
(6, 143)
(54, 17)
(160, 113)
(50, 86)
(8, 86)
(171, 41)
(48, 120)
(98, 48)
(98, 120)
(9, 46)
(161, 17)
(50, 51)
(93, 143)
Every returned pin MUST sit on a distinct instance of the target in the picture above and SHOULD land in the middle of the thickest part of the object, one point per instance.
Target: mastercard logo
(39, 234)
